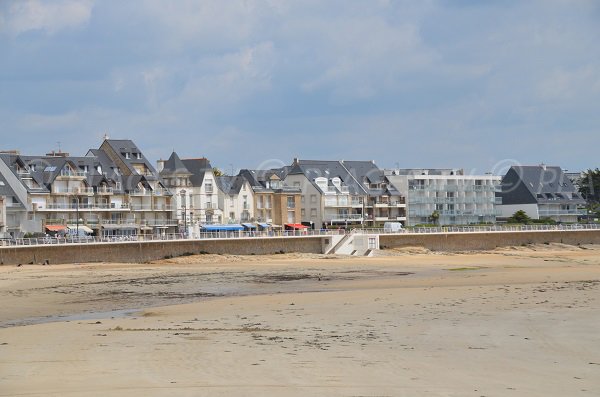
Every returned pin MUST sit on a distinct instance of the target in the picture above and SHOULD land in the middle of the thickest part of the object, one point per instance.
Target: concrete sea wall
(487, 240)
(139, 252)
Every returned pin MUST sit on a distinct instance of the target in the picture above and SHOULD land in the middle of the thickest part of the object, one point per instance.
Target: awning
(249, 225)
(119, 227)
(220, 228)
(81, 228)
(264, 225)
(296, 226)
(56, 228)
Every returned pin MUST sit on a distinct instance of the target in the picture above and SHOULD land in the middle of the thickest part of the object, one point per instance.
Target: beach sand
(521, 321)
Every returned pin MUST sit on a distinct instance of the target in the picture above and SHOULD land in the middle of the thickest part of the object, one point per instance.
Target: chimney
(160, 165)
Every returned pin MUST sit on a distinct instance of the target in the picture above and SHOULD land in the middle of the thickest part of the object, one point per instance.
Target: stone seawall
(487, 240)
(139, 252)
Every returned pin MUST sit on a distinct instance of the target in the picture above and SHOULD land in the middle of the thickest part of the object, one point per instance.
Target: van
(392, 227)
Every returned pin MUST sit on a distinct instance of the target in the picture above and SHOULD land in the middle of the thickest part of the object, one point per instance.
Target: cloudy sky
(472, 84)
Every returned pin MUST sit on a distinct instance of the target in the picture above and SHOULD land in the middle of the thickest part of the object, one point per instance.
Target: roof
(174, 166)
(313, 169)
(197, 168)
(121, 146)
(538, 184)
(264, 181)
(230, 185)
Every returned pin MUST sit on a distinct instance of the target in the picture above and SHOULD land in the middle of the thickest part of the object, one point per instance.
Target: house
(345, 193)
(194, 187)
(275, 202)
(542, 192)
(59, 193)
(456, 198)
(236, 199)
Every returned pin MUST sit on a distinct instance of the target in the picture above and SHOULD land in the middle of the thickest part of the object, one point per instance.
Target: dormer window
(127, 155)
(138, 156)
(32, 167)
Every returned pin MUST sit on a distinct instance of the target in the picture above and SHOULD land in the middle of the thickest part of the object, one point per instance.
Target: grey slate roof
(174, 166)
(230, 185)
(197, 167)
(538, 184)
(327, 169)
(122, 146)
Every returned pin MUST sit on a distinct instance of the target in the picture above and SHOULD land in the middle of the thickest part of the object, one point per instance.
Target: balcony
(343, 217)
(149, 192)
(72, 174)
(77, 190)
(561, 212)
(81, 207)
(105, 190)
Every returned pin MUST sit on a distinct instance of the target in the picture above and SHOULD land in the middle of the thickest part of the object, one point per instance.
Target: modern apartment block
(193, 184)
(457, 199)
(542, 192)
(275, 202)
(110, 191)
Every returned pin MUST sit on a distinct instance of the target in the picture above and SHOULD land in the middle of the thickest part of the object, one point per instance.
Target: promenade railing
(287, 233)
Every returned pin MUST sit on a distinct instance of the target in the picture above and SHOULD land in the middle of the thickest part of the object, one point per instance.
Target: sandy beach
(521, 321)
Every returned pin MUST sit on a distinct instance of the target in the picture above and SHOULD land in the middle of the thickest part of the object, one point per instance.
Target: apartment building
(542, 192)
(345, 194)
(194, 188)
(456, 198)
(93, 194)
(275, 202)
(236, 199)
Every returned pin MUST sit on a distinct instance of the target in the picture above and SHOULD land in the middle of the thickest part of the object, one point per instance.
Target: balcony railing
(561, 212)
(68, 173)
(77, 190)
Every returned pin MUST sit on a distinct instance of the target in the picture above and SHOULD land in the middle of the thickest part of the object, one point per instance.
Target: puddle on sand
(70, 317)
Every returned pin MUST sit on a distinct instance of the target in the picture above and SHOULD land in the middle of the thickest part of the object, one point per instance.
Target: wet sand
(514, 322)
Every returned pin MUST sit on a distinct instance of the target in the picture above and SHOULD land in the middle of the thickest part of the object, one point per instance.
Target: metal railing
(483, 228)
(289, 233)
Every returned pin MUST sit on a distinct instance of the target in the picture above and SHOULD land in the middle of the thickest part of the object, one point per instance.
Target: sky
(478, 85)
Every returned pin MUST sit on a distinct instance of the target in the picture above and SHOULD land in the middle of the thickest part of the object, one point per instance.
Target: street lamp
(184, 212)
(77, 214)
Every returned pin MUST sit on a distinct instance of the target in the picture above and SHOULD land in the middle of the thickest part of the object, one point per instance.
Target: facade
(236, 199)
(542, 192)
(94, 194)
(194, 188)
(458, 199)
(345, 194)
(275, 202)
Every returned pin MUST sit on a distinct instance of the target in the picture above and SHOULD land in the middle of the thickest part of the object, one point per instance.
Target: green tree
(520, 217)
(435, 216)
(589, 186)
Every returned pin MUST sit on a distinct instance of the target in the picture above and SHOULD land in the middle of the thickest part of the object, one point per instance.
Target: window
(302, 213)
(302, 199)
(209, 218)
(138, 156)
(291, 203)
(127, 156)
(313, 212)
(208, 186)
(313, 198)
(232, 215)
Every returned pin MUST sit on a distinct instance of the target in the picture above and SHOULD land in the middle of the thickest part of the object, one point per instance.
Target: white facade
(457, 199)
(237, 207)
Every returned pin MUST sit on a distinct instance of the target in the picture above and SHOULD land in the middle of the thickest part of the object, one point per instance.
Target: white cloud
(50, 16)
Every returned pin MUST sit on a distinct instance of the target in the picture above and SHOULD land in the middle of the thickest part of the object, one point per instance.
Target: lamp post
(77, 214)
(184, 212)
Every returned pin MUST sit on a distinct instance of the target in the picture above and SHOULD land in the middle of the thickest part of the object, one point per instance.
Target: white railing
(484, 228)
(289, 233)
(177, 236)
